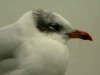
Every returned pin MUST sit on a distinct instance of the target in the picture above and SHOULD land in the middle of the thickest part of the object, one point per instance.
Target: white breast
(43, 57)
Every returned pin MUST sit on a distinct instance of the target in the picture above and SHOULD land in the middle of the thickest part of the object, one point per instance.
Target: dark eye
(54, 27)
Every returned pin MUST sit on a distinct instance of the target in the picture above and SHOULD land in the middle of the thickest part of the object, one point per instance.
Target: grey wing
(9, 41)
(8, 44)
(8, 65)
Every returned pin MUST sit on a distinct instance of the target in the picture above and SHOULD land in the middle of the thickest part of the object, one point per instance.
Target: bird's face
(52, 23)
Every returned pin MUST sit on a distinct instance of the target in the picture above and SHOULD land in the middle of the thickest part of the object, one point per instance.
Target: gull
(36, 44)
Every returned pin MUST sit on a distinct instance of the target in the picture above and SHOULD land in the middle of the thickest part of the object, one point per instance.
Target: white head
(52, 25)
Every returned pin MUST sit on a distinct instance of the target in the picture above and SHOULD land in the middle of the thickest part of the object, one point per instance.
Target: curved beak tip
(86, 36)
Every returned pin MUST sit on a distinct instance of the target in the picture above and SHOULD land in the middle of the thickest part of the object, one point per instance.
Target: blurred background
(82, 14)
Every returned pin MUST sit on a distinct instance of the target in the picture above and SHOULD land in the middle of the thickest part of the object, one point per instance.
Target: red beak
(80, 34)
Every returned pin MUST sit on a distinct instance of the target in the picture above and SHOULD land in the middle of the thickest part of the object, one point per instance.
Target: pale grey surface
(83, 14)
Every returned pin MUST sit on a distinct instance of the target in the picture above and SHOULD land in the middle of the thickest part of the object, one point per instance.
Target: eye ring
(51, 28)
(55, 27)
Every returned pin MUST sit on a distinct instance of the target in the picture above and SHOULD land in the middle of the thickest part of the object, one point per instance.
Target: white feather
(26, 51)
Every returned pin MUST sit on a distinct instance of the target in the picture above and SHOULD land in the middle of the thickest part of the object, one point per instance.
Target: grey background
(83, 14)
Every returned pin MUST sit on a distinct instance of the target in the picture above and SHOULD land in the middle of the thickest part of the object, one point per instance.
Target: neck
(26, 25)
